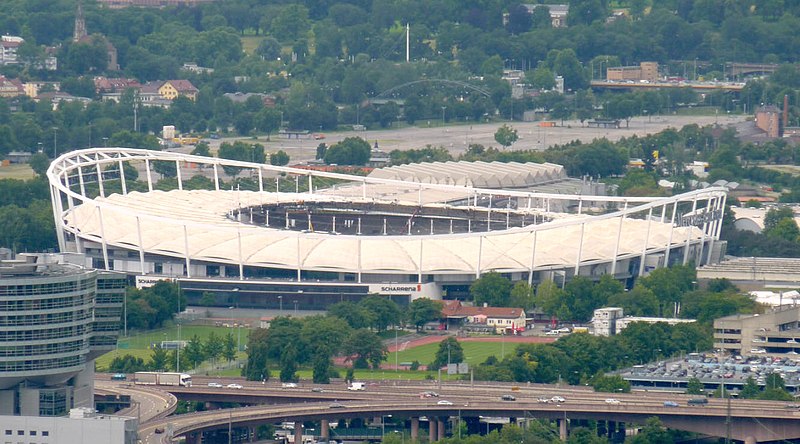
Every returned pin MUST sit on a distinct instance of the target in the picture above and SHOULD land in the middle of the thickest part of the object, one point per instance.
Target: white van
(357, 386)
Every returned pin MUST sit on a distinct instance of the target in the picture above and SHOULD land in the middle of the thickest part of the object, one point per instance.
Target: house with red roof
(508, 320)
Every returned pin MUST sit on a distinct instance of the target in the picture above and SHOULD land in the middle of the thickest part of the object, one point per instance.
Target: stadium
(309, 238)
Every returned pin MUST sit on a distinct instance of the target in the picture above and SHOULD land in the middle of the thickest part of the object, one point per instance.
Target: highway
(402, 398)
(149, 403)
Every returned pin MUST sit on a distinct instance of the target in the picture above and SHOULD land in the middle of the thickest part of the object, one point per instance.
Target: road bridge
(697, 86)
(750, 421)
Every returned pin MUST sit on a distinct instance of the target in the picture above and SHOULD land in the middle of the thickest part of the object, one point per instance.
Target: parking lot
(713, 370)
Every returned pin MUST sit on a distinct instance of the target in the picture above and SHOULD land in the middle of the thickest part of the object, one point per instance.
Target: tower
(80, 24)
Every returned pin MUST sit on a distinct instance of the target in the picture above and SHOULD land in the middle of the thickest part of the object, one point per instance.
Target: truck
(357, 386)
(163, 378)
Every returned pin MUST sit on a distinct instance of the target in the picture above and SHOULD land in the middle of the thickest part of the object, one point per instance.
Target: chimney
(785, 114)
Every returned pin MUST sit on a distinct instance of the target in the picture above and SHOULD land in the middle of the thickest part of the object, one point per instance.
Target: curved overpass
(751, 421)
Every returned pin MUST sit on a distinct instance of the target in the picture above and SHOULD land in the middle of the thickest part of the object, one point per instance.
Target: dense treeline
(661, 293)
(151, 307)
(26, 215)
(325, 61)
(581, 357)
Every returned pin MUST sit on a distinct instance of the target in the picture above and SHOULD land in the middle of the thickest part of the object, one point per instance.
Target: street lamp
(280, 302)
(295, 307)
(105, 141)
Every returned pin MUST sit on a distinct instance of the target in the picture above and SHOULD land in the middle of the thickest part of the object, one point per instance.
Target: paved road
(402, 398)
(150, 402)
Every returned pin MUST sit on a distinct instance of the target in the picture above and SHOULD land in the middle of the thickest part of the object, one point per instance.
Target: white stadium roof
(214, 225)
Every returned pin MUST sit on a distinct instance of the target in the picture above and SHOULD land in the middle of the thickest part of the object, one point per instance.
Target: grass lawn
(17, 171)
(138, 345)
(250, 43)
(474, 352)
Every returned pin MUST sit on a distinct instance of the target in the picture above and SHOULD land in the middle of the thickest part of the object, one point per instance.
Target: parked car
(159, 430)
(543, 400)
(119, 377)
(697, 401)
(337, 405)
(317, 390)
(287, 385)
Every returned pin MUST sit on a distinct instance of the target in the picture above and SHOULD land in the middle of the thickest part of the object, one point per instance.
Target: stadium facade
(299, 237)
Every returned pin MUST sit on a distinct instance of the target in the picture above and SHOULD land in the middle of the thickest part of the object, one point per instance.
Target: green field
(250, 43)
(139, 345)
(474, 352)
(17, 171)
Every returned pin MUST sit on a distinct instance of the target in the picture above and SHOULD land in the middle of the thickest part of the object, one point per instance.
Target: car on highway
(215, 384)
(508, 398)
(670, 404)
(337, 405)
(317, 390)
(159, 430)
(542, 400)
(557, 399)
(287, 385)
(428, 394)
(612, 401)
(444, 402)
(697, 401)
(234, 386)
(119, 377)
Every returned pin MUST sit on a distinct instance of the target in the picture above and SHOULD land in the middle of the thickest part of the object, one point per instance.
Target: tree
(519, 19)
(39, 163)
(522, 296)
(269, 48)
(365, 348)
(322, 367)
(350, 151)
(424, 310)
(611, 384)
(640, 301)
(750, 389)
(449, 352)
(201, 149)
(255, 369)
(280, 158)
(694, 387)
(322, 148)
(492, 289)
(384, 311)
(229, 350)
(158, 359)
(506, 136)
(652, 433)
(289, 363)
(213, 346)
(194, 351)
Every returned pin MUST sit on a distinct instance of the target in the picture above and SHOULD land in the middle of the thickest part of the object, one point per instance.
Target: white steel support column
(359, 257)
(419, 263)
(580, 252)
(706, 226)
(719, 226)
(297, 184)
(80, 181)
(70, 202)
(186, 250)
(713, 229)
(419, 195)
(616, 245)
(663, 212)
(533, 257)
(58, 218)
(216, 177)
(689, 234)
(241, 257)
(260, 180)
(141, 245)
(310, 183)
(480, 254)
(103, 236)
(364, 189)
(580, 205)
(100, 179)
(646, 241)
(299, 261)
(149, 175)
(178, 174)
(671, 231)
(277, 184)
(122, 179)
